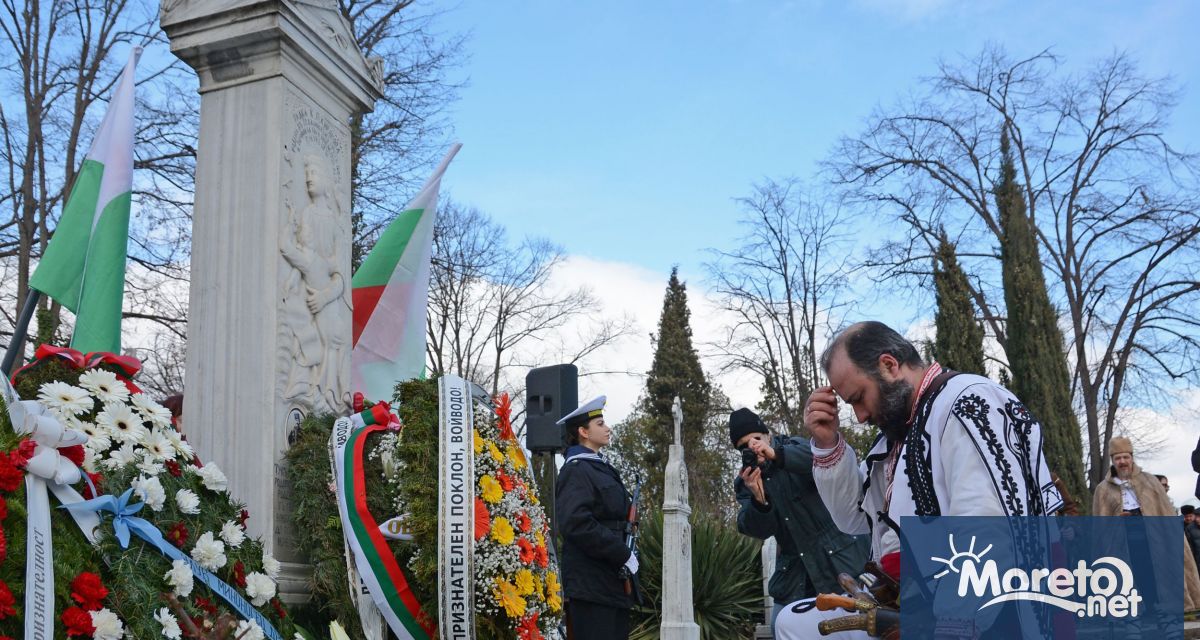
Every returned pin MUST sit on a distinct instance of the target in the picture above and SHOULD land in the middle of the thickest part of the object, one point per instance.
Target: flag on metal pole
(390, 294)
(83, 267)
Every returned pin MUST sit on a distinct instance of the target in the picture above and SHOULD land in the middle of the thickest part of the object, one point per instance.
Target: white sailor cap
(593, 408)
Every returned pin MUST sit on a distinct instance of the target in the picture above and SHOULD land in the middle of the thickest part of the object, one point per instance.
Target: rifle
(632, 584)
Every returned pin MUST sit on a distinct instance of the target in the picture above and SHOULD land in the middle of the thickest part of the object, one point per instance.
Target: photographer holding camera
(777, 497)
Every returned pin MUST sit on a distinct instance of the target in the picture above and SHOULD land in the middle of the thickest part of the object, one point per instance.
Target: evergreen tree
(1035, 343)
(959, 344)
(643, 439)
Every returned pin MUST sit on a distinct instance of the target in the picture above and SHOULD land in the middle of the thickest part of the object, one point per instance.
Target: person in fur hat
(1127, 491)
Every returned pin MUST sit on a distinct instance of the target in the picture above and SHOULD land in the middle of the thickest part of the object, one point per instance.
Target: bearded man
(950, 444)
(1127, 491)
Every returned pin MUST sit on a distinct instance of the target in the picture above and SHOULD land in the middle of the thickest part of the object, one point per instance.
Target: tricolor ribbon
(125, 522)
(373, 559)
(47, 471)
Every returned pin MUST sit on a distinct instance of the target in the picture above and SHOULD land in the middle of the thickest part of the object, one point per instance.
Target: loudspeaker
(550, 393)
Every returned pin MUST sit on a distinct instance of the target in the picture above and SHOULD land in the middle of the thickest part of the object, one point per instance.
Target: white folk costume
(972, 448)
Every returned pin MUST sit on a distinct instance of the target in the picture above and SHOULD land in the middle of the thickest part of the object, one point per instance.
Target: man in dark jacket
(777, 497)
(1191, 529)
(592, 505)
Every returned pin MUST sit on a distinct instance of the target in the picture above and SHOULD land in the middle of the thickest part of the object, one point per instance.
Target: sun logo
(958, 557)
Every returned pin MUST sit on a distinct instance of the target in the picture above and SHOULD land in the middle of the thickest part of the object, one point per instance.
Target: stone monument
(678, 621)
(269, 322)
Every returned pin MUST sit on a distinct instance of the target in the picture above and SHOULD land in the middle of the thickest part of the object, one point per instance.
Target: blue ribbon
(124, 522)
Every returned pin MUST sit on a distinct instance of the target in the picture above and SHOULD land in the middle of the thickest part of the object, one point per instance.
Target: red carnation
(3, 546)
(73, 453)
(177, 534)
(88, 591)
(279, 610)
(206, 605)
(25, 451)
(239, 574)
(527, 553)
(77, 621)
(483, 519)
(10, 475)
(3, 508)
(87, 488)
(173, 468)
(244, 517)
(6, 601)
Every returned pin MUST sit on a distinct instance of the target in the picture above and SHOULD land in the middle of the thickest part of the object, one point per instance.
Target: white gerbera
(232, 534)
(180, 578)
(179, 443)
(108, 626)
(209, 552)
(212, 477)
(150, 490)
(260, 588)
(154, 413)
(157, 445)
(170, 625)
(247, 630)
(124, 456)
(98, 439)
(104, 385)
(121, 422)
(188, 502)
(270, 565)
(68, 400)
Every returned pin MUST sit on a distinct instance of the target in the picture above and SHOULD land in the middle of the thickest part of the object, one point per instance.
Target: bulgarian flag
(83, 268)
(391, 291)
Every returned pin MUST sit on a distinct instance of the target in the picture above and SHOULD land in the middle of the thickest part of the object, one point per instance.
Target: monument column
(678, 621)
(269, 323)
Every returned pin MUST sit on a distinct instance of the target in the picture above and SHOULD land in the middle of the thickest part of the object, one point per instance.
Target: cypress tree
(959, 343)
(643, 439)
(1035, 343)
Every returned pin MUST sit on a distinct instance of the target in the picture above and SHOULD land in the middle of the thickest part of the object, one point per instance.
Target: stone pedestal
(769, 550)
(269, 322)
(678, 619)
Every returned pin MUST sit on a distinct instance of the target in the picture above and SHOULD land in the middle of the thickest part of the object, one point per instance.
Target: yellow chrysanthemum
(538, 587)
(506, 596)
(524, 581)
(494, 451)
(502, 530)
(517, 456)
(541, 539)
(478, 441)
(490, 490)
(553, 592)
(533, 498)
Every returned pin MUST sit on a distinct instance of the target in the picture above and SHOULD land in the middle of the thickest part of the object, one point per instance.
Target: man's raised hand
(821, 417)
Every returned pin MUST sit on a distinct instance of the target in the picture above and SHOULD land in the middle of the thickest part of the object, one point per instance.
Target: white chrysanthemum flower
(108, 626)
(68, 400)
(247, 630)
(124, 456)
(232, 534)
(170, 625)
(179, 443)
(104, 385)
(180, 578)
(209, 552)
(212, 477)
(158, 446)
(270, 565)
(260, 588)
(187, 501)
(150, 490)
(154, 413)
(148, 465)
(121, 422)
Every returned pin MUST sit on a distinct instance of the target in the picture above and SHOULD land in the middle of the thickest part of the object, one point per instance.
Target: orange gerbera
(527, 553)
(506, 480)
(483, 519)
(541, 556)
(528, 629)
(523, 522)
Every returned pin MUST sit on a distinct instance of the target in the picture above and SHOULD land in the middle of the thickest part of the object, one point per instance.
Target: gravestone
(269, 321)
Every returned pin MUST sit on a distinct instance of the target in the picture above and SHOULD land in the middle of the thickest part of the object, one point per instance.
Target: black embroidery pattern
(1018, 431)
(918, 464)
(975, 409)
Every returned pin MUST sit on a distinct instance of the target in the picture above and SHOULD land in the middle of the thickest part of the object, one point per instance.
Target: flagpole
(17, 344)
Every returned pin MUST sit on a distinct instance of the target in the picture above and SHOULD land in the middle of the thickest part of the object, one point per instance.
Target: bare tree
(494, 306)
(781, 285)
(1115, 204)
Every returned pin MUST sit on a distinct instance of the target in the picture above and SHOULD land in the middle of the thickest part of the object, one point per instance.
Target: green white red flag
(390, 295)
(83, 267)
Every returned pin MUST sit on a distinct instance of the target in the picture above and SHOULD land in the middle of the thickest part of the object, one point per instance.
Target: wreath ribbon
(128, 365)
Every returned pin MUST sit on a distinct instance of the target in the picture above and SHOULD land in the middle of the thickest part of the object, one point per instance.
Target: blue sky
(624, 130)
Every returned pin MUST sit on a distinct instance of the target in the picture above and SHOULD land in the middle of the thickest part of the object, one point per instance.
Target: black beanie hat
(744, 422)
(1186, 509)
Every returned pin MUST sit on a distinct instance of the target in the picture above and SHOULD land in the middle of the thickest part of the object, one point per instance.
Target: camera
(749, 459)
